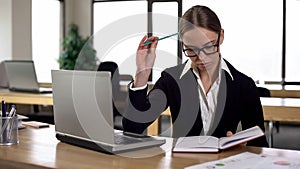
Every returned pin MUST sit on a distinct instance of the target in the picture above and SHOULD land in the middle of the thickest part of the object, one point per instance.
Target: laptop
(21, 77)
(83, 113)
(3, 78)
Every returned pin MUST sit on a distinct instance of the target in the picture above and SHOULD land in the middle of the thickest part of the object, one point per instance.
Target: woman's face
(203, 45)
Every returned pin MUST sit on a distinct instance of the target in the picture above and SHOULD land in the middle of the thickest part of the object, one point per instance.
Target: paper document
(248, 160)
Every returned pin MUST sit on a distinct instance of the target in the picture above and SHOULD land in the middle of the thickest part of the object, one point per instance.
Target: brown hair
(199, 16)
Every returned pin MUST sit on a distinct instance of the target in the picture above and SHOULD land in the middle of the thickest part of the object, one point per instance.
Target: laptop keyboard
(121, 139)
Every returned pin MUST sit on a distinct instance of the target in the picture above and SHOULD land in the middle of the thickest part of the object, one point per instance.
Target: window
(292, 40)
(253, 37)
(165, 22)
(118, 28)
(45, 37)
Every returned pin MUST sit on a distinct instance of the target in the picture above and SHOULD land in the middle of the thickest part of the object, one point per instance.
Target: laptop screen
(83, 104)
(21, 75)
(3, 78)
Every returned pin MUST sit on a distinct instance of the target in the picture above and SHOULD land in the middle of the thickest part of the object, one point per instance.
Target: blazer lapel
(224, 99)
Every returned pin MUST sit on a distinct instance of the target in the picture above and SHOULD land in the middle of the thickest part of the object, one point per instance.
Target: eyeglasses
(208, 50)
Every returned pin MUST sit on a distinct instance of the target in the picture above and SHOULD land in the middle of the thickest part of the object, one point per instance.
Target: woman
(206, 94)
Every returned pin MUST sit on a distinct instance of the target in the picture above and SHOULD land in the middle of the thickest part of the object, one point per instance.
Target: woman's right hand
(145, 57)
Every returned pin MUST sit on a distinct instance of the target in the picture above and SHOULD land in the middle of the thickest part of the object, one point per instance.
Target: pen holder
(9, 130)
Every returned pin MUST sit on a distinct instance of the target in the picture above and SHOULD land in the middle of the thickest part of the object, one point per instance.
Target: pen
(4, 127)
(150, 42)
(3, 108)
(12, 114)
(12, 111)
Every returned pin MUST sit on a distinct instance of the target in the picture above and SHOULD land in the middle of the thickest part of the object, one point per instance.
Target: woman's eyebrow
(210, 42)
(207, 43)
(190, 46)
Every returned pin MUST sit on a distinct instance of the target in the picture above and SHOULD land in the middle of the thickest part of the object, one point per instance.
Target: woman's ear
(221, 36)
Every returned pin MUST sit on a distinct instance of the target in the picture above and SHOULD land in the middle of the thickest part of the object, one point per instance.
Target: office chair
(46, 117)
(118, 95)
(264, 92)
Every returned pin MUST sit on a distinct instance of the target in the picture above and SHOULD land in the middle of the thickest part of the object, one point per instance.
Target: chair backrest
(263, 92)
(112, 67)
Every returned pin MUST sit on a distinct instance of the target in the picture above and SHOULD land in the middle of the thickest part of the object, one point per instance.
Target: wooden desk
(289, 91)
(38, 148)
(26, 98)
(34, 98)
(285, 93)
(282, 110)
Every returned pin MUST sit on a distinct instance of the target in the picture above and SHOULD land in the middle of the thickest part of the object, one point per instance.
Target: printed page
(248, 160)
(196, 144)
(275, 162)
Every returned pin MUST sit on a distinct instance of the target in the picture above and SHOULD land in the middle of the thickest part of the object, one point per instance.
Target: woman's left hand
(229, 133)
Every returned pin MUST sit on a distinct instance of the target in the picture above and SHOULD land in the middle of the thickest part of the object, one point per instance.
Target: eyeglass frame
(202, 49)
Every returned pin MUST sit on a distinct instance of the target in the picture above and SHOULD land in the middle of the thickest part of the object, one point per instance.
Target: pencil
(165, 37)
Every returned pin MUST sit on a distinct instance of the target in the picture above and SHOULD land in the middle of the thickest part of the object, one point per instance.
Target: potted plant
(78, 53)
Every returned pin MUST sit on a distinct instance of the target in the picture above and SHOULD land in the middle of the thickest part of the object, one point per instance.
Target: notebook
(83, 113)
(21, 77)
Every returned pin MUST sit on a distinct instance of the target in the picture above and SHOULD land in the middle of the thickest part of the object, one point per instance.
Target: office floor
(288, 136)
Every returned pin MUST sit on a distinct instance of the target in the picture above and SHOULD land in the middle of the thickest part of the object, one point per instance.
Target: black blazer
(238, 100)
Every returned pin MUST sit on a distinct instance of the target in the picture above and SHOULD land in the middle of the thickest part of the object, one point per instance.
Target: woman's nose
(201, 55)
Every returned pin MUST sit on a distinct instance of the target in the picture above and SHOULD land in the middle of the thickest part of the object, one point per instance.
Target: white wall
(79, 12)
(21, 30)
(5, 30)
(15, 25)
(15, 29)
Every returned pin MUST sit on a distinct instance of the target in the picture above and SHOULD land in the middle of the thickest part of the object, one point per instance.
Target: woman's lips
(203, 64)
